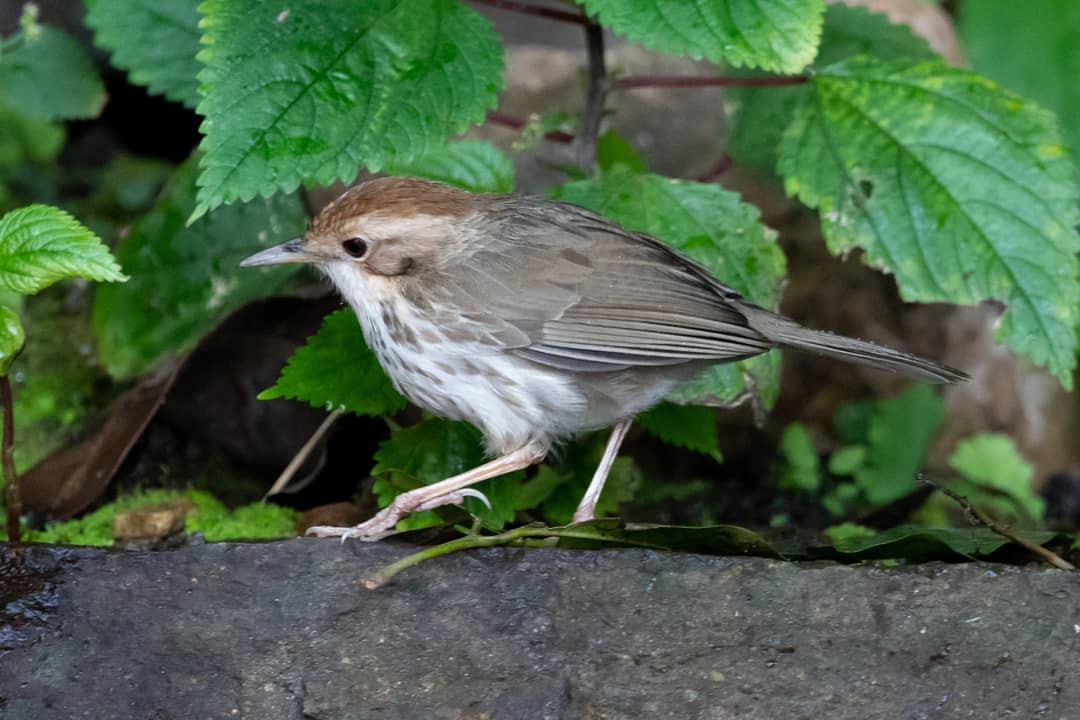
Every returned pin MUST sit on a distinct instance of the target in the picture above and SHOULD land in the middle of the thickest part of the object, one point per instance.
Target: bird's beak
(291, 251)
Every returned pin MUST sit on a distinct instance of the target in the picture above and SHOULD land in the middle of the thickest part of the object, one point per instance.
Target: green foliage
(613, 150)
(155, 41)
(916, 543)
(257, 521)
(46, 75)
(713, 227)
(434, 450)
(779, 35)
(474, 165)
(687, 426)
(40, 245)
(1029, 47)
(336, 85)
(959, 188)
(185, 277)
(762, 113)
(27, 139)
(802, 469)
(12, 337)
(337, 370)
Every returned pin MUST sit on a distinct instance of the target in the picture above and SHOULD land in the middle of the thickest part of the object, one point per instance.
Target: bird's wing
(572, 290)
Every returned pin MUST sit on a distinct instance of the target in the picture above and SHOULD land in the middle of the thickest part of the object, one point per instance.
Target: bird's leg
(446, 492)
(586, 509)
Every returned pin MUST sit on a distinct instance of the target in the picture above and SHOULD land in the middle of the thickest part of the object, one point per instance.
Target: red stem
(628, 83)
(7, 462)
(526, 9)
(720, 167)
(516, 123)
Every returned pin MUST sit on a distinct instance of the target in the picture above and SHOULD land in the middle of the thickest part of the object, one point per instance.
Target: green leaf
(337, 370)
(761, 114)
(12, 338)
(685, 426)
(803, 467)
(186, 278)
(991, 461)
(48, 76)
(313, 93)
(474, 165)
(154, 40)
(1031, 48)
(960, 189)
(709, 540)
(899, 436)
(846, 533)
(914, 542)
(847, 460)
(777, 35)
(436, 449)
(612, 150)
(713, 227)
(27, 139)
(40, 245)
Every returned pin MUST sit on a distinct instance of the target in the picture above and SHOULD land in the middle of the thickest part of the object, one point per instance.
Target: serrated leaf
(961, 190)
(40, 245)
(898, 438)
(48, 76)
(337, 370)
(436, 449)
(187, 278)
(313, 93)
(1031, 48)
(991, 461)
(12, 338)
(761, 114)
(716, 229)
(914, 542)
(474, 165)
(685, 426)
(777, 35)
(154, 40)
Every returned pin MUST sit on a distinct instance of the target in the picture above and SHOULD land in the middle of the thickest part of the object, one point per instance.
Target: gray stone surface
(286, 630)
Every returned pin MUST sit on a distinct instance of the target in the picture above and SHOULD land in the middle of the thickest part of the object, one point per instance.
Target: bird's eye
(357, 247)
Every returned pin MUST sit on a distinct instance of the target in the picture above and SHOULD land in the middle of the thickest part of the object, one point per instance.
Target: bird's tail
(790, 334)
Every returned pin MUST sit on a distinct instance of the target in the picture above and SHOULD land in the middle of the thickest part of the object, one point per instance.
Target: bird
(534, 320)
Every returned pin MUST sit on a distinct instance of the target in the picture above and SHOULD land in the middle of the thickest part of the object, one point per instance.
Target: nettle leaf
(716, 229)
(898, 438)
(1031, 48)
(40, 245)
(154, 40)
(686, 426)
(434, 450)
(777, 35)
(12, 337)
(990, 461)
(961, 190)
(187, 278)
(761, 114)
(48, 76)
(474, 165)
(313, 92)
(337, 370)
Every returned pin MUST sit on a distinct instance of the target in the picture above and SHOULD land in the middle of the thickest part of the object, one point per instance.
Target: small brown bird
(533, 320)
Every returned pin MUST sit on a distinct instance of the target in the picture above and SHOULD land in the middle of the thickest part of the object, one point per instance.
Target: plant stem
(720, 167)
(535, 10)
(594, 98)
(516, 123)
(7, 462)
(643, 81)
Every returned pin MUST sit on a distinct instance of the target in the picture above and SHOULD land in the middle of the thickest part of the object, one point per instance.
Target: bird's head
(384, 228)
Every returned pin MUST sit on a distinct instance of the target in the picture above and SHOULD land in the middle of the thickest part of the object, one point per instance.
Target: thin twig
(516, 123)
(7, 462)
(978, 516)
(720, 167)
(594, 98)
(535, 10)
(643, 81)
(294, 465)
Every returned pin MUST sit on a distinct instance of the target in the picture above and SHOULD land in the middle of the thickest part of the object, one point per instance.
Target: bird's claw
(383, 524)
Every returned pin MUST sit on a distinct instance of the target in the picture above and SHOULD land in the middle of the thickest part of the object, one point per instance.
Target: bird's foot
(383, 524)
